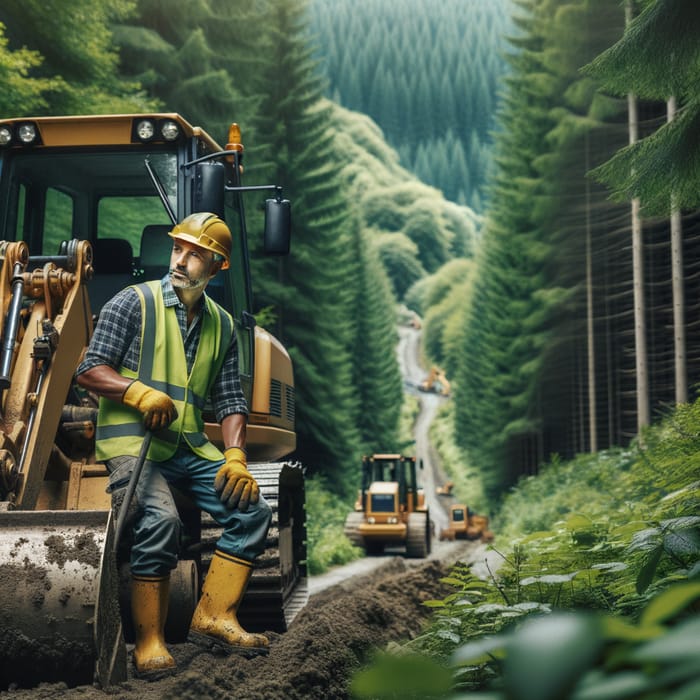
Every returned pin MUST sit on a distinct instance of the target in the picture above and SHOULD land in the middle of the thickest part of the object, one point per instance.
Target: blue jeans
(156, 529)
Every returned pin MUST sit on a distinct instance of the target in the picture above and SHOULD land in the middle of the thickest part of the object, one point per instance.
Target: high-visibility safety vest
(162, 366)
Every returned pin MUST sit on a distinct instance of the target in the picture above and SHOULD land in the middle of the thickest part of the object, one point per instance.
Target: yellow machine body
(390, 509)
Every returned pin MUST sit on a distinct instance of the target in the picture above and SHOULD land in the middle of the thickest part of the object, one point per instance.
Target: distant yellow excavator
(436, 382)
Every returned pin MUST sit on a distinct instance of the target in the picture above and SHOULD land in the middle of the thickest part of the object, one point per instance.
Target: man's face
(191, 266)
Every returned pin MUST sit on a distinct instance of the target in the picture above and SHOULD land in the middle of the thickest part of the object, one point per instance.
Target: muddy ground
(330, 639)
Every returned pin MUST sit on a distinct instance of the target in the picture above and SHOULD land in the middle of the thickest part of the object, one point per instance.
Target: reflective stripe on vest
(163, 366)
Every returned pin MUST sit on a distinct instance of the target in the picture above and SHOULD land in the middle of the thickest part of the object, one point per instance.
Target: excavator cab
(86, 203)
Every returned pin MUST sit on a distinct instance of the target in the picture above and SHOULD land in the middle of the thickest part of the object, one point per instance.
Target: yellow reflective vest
(162, 365)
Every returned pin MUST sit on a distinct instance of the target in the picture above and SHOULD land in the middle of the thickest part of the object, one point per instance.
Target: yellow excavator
(436, 382)
(85, 206)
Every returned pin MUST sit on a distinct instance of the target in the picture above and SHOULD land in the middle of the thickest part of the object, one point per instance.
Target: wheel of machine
(352, 528)
(418, 537)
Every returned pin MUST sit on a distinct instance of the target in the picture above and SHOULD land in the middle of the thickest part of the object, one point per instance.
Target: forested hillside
(429, 73)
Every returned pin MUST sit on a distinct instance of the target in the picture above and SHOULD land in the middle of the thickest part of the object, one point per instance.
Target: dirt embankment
(330, 639)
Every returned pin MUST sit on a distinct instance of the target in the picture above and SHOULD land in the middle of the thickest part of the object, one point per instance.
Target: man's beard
(183, 281)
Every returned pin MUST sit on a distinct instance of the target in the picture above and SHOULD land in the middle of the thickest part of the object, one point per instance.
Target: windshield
(49, 196)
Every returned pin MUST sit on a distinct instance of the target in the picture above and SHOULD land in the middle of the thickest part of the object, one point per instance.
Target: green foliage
(446, 297)
(598, 593)
(467, 479)
(326, 543)
(521, 339)
(408, 676)
(22, 94)
(399, 255)
(68, 58)
(413, 227)
(410, 409)
(377, 376)
(195, 58)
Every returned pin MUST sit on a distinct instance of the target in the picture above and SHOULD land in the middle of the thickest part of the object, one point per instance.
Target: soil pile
(329, 640)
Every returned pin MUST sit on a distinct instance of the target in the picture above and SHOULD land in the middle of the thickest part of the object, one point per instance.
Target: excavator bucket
(54, 571)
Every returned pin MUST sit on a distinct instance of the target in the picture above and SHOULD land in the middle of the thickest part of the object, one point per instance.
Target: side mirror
(278, 226)
(209, 182)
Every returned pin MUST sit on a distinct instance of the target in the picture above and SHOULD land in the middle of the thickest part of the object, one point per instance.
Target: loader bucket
(50, 568)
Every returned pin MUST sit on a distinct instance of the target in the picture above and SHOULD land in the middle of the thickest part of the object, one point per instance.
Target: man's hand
(158, 408)
(234, 483)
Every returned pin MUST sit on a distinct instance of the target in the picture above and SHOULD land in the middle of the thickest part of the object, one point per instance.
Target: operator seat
(155, 251)
(113, 265)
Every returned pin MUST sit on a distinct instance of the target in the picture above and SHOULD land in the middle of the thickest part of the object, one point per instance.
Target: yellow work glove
(234, 483)
(158, 408)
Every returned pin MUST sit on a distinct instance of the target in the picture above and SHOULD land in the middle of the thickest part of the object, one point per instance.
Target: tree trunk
(592, 417)
(680, 367)
(640, 339)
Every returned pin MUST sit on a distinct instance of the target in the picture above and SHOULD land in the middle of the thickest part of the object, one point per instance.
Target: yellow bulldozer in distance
(85, 206)
(436, 382)
(390, 510)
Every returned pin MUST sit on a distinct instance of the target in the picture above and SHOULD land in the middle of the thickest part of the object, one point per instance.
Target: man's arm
(233, 430)
(104, 381)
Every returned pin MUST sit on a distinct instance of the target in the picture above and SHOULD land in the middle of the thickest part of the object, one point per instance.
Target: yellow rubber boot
(214, 621)
(149, 609)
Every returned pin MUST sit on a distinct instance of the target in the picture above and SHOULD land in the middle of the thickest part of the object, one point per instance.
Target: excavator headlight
(393, 521)
(371, 520)
(169, 130)
(145, 129)
(19, 134)
(27, 133)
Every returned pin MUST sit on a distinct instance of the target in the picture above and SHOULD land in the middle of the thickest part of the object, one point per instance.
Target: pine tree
(317, 290)
(377, 377)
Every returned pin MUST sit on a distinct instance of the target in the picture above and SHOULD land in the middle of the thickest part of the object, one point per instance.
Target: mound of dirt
(330, 639)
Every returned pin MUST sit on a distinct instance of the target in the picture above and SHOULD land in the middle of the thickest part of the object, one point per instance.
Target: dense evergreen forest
(576, 334)
(428, 73)
(564, 314)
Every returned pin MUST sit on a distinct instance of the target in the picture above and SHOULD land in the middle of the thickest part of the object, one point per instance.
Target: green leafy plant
(327, 544)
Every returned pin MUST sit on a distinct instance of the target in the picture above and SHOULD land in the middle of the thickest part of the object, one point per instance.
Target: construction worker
(158, 351)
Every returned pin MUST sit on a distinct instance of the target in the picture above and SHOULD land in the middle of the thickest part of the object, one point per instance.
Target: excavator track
(278, 587)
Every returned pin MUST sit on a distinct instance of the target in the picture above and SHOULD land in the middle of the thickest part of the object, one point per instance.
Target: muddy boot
(149, 609)
(214, 622)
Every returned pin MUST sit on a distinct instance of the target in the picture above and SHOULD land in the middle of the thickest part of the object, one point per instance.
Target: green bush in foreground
(598, 593)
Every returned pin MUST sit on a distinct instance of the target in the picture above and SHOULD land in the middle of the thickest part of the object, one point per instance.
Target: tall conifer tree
(318, 290)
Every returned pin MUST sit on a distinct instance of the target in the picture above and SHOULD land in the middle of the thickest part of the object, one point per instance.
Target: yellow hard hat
(206, 230)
